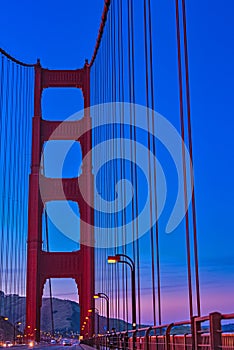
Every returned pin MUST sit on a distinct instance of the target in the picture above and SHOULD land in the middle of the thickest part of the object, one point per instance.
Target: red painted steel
(101, 30)
(210, 336)
(42, 265)
(57, 130)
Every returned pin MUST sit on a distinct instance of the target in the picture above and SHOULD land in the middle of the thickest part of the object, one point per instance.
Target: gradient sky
(63, 34)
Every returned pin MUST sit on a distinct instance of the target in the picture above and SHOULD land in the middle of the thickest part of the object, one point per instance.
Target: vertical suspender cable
(7, 184)
(24, 174)
(135, 167)
(113, 169)
(48, 249)
(17, 221)
(119, 217)
(108, 92)
(115, 65)
(15, 192)
(155, 169)
(149, 163)
(184, 159)
(12, 170)
(125, 278)
(131, 67)
(121, 99)
(1, 187)
(18, 193)
(13, 109)
(191, 157)
(50, 284)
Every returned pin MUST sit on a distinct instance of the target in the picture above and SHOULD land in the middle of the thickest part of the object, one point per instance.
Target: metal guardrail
(197, 336)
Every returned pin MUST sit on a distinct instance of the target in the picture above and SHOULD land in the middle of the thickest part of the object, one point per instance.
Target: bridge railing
(201, 334)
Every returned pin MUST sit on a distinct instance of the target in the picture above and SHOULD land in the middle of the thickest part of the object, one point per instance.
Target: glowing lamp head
(113, 259)
(96, 296)
(90, 310)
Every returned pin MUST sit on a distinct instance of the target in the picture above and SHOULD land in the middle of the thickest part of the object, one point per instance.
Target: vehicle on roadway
(32, 343)
(67, 342)
(7, 344)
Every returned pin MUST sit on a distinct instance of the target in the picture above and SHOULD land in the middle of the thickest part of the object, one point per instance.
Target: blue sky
(63, 34)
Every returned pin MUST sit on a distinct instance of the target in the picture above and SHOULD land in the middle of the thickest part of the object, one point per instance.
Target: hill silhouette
(66, 314)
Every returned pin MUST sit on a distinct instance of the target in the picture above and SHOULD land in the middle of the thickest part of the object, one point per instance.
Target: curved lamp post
(104, 296)
(128, 261)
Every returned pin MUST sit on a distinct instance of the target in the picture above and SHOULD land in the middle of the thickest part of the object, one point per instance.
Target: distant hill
(13, 307)
(6, 330)
(66, 314)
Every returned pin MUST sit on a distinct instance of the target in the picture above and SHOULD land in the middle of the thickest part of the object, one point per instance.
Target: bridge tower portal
(42, 265)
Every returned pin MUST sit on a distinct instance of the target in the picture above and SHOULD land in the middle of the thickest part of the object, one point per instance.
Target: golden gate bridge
(118, 89)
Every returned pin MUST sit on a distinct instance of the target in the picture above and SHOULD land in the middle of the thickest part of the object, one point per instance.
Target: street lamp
(117, 259)
(95, 309)
(4, 318)
(16, 324)
(104, 296)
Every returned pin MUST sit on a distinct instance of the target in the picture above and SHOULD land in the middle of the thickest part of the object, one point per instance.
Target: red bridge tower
(42, 265)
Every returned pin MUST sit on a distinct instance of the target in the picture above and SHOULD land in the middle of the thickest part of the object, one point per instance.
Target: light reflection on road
(46, 346)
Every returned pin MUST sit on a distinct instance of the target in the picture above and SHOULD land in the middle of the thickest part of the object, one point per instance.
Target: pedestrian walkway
(86, 347)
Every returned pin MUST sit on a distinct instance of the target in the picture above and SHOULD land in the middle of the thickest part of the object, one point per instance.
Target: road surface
(45, 346)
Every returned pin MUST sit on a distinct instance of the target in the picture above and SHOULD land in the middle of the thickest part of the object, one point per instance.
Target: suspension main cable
(101, 30)
(13, 59)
